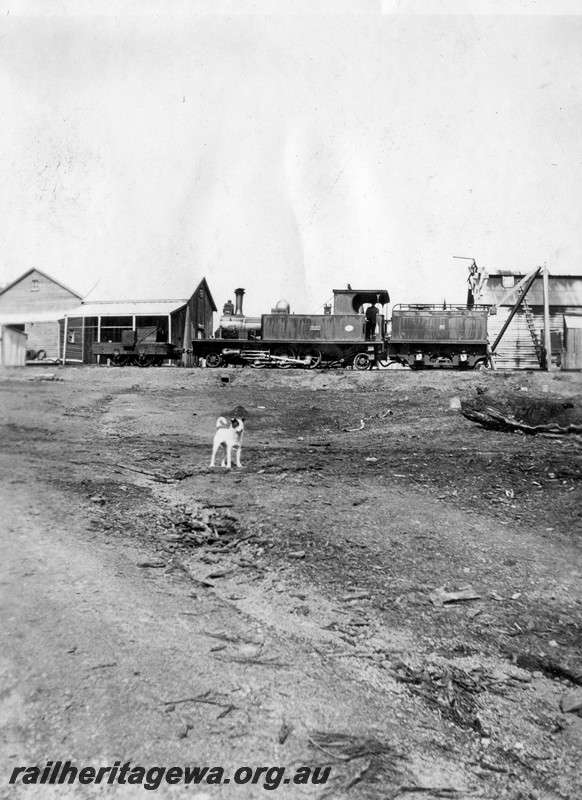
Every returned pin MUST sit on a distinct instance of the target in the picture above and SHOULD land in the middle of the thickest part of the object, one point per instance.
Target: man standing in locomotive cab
(371, 314)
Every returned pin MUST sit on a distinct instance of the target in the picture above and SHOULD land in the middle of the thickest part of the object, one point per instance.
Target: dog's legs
(214, 452)
(228, 453)
(238, 457)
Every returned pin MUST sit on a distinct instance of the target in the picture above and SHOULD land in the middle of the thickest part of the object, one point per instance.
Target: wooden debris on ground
(366, 759)
(515, 412)
(441, 597)
(450, 689)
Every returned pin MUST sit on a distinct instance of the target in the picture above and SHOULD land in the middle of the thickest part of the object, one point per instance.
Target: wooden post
(547, 336)
(66, 333)
(187, 334)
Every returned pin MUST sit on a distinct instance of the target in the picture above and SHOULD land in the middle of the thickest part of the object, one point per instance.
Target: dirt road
(385, 588)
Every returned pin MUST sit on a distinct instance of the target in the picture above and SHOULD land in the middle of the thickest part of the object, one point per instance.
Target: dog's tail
(221, 423)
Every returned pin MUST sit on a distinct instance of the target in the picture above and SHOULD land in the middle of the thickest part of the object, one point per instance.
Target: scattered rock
(284, 732)
(571, 703)
(180, 474)
(223, 573)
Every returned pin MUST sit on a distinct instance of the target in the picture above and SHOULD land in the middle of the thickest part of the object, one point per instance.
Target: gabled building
(34, 304)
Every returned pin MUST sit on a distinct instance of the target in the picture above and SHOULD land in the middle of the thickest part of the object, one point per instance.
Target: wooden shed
(572, 352)
(176, 321)
(12, 347)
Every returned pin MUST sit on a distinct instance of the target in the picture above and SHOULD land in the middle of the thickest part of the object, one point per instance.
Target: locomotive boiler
(234, 324)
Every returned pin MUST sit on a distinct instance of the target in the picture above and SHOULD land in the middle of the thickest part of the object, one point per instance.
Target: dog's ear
(234, 422)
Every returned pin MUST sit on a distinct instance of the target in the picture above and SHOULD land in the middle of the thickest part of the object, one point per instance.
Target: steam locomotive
(353, 332)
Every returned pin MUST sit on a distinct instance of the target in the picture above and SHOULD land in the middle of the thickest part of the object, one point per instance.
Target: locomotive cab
(363, 302)
(353, 301)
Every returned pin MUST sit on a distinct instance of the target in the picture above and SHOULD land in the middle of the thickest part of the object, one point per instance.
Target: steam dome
(282, 307)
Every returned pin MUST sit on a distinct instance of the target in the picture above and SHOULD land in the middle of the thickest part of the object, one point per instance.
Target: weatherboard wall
(36, 292)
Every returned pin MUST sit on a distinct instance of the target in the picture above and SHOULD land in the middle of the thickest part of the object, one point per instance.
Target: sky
(288, 148)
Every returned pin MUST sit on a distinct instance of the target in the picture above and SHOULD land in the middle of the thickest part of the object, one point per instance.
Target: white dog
(229, 435)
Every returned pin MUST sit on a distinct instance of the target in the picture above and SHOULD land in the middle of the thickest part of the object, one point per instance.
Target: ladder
(529, 317)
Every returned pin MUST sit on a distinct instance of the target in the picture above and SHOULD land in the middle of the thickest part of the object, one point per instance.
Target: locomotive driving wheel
(362, 361)
(312, 356)
(284, 352)
(213, 360)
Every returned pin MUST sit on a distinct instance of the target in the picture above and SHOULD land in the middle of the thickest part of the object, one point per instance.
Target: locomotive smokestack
(238, 293)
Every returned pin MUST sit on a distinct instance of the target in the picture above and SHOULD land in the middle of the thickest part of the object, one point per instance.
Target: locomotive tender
(439, 336)
(422, 336)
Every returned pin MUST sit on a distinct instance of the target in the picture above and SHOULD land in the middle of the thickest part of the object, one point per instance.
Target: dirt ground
(385, 588)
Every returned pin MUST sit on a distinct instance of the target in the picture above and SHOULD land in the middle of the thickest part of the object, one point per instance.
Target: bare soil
(385, 587)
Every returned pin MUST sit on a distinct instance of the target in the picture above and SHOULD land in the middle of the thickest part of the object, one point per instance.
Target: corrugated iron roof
(564, 290)
(521, 274)
(162, 287)
(143, 308)
(22, 317)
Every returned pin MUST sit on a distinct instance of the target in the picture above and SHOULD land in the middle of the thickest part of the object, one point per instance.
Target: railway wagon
(344, 336)
(439, 336)
(137, 348)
